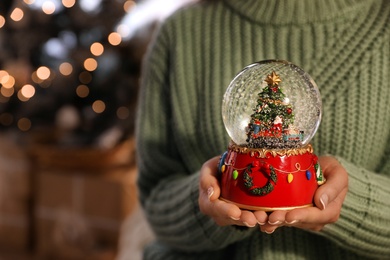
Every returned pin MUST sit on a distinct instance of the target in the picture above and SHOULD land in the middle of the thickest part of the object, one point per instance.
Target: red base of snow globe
(269, 179)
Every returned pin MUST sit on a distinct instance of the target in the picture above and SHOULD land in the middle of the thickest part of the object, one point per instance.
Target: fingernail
(324, 201)
(210, 192)
(247, 224)
(291, 222)
(275, 223)
(261, 223)
(234, 218)
(269, 232)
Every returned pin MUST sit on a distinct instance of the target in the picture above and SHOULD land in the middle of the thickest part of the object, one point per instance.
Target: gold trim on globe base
(266, 209)
(262, 152)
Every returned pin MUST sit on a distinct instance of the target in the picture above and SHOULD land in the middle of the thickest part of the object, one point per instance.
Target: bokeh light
(48, 7)
(21, 97)
(17, 14)
(98, 106)
(43, 72)
(66, 68)
(28, 91)
(2, 21)
(82, 91)
(128, 6)
(122, 113)
(97, 48)
(7, 81)
(24, 124)
(114, 38)
(68, 3)
(7, 92)
(90, 64)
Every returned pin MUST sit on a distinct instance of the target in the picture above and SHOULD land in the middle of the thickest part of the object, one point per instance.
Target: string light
(17, 14)
(68, 3)
(114, 38)
(2, 21)
(24, 124)
(27, 91)
(8, 81)
(7, 92)
(97, 48)
(48, 7)
(82, 91)
(98, 106)
(90, 64)
(128, 6)
(43, 72)
(21, 97)
(65, 68)
(44, 75)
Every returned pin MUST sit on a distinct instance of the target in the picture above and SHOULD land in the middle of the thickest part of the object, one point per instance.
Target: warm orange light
(8, 81)
(97, 49)
(28, 91)
(29, 2)
(43, 73)
(98, 106)
(7, 92)
(68, 3)
(2, 21)
(90, 64)
(17, 14)
(24, 124)
(3, 73)
(85, 77)
(128, 5)
(48, 7)
(35, 77)
(114, 38)
(21, 97)
(122, 112)
(82, 91)
(66, 68)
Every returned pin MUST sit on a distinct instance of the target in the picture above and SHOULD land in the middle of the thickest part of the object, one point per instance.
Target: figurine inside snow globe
(271, 111)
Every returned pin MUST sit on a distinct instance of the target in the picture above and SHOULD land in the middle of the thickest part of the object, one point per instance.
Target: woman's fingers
(336, 183)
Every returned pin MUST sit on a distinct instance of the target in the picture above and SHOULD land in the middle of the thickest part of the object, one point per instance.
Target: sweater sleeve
(168, 190)
(364, 223)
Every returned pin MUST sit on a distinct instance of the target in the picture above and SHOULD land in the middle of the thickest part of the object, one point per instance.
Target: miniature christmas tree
(271, 124)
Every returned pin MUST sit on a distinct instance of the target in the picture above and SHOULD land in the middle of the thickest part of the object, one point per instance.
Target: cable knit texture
(343, 44)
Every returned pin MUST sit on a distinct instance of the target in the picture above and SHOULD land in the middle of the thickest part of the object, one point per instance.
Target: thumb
(208, 183)
(336, 181)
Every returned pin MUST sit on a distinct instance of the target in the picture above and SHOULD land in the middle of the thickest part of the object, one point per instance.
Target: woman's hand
(328, 200)
(223, 213)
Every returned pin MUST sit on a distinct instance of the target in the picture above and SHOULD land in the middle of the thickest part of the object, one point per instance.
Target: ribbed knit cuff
(217, 237)
(363, 225)
(173, 212)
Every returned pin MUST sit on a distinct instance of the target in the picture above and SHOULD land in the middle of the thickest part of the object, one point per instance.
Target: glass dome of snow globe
(272, 104)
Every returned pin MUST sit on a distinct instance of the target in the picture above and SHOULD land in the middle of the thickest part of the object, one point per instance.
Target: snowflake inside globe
(272, 104)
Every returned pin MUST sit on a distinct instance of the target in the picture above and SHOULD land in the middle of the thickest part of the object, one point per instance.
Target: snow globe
(271, 110)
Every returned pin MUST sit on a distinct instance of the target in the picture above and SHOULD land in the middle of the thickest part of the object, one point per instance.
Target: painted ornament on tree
(271, 111)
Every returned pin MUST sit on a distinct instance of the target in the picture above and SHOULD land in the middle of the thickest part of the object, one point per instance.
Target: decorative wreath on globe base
(268, 180)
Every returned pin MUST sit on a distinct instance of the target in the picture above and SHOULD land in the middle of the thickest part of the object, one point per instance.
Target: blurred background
(69, 80)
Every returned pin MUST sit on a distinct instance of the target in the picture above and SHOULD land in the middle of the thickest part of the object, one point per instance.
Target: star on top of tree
(273, 79)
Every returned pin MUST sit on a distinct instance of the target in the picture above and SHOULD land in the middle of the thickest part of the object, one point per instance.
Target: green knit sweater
(343, 44)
